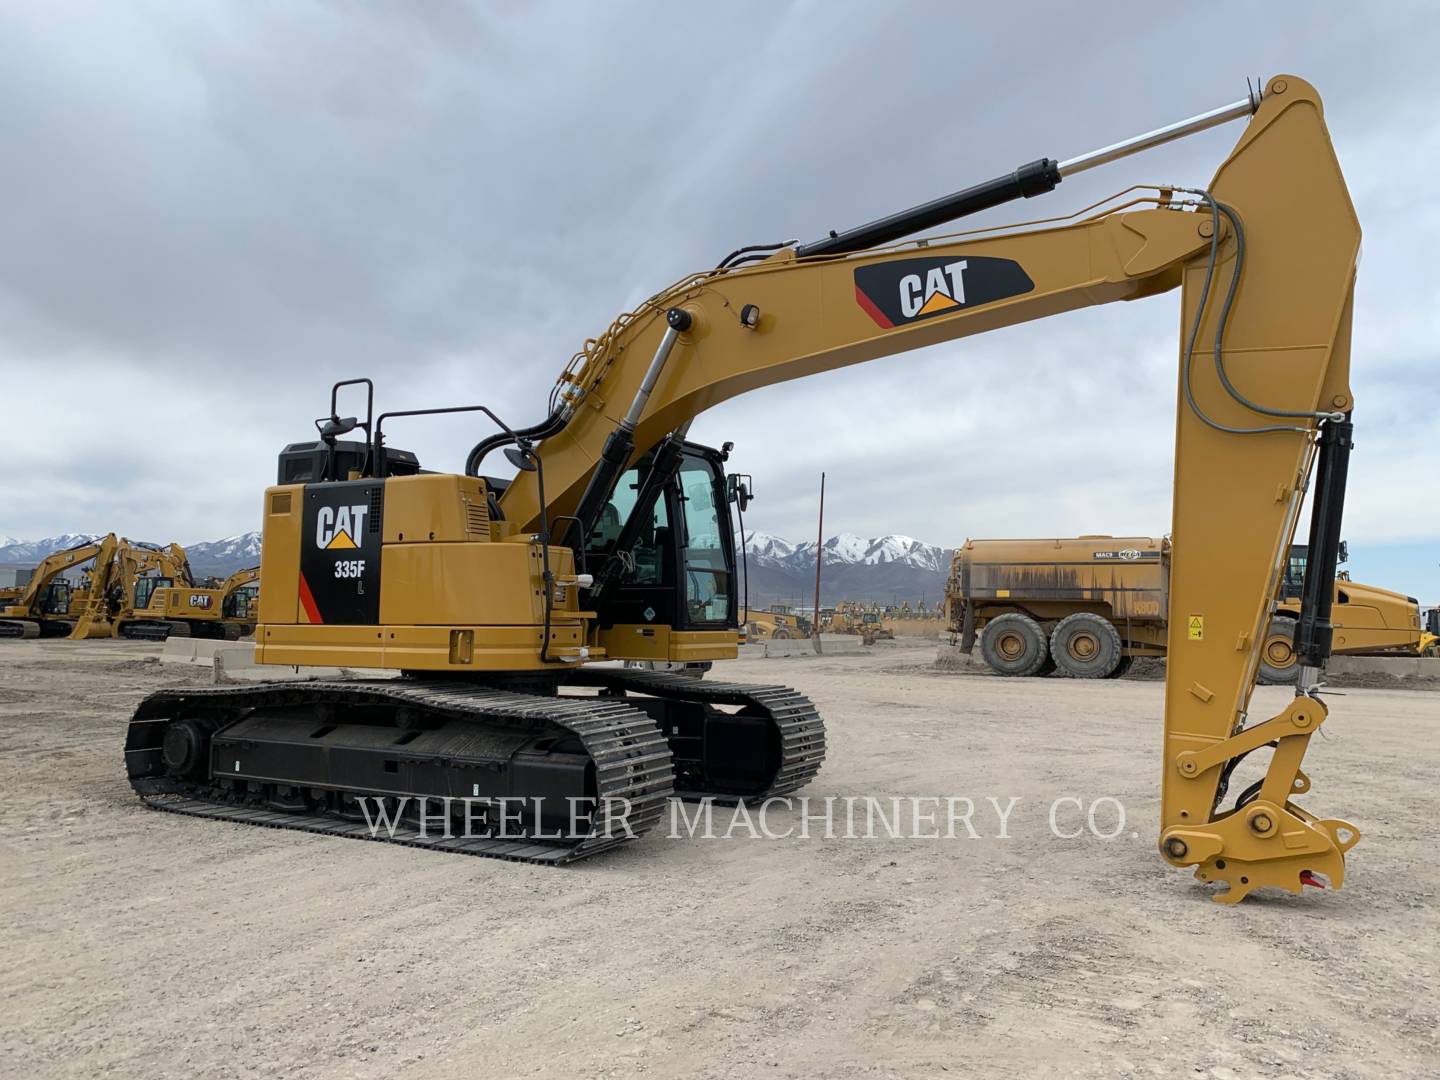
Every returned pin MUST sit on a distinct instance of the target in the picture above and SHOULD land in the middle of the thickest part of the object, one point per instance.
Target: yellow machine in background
(778, 623)
(133, 569)
(1090, 604)
(169, 604)
(493, 597)
(1368, 620)
(44, 607)
(147, 592)
(861, 620)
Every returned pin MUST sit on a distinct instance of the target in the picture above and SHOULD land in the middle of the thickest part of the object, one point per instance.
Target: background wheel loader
(778, 623)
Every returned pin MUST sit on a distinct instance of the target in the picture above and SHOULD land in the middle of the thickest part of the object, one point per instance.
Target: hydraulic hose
(1216, 209)
(543, 430)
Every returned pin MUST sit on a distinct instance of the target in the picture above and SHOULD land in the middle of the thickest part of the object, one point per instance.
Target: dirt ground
(138, 944)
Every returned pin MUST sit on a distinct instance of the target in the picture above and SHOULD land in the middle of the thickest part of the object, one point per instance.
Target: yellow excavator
(240, 596)
(493, 598)
(147, 593)
(123, 583)
(176, 609)
(44, 607)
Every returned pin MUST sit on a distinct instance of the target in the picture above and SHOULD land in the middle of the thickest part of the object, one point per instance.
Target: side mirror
(336, 426)
(521, 458)
(737, 490)
(1344, 553)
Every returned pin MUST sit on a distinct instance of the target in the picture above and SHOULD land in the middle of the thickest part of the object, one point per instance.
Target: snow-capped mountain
(230, 554)
(29, 552)
(760, 545)
(883, 569)
(218, 557)
(847, 548)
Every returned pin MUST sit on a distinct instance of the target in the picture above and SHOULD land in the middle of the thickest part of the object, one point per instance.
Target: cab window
(650, 546)
(707, 577)
(145, 588)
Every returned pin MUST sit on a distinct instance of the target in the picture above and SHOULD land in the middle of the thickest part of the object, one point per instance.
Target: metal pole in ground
(819, 558)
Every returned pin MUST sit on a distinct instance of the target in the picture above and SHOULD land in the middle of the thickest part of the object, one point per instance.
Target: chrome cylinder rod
(678, 321)
(1234, 111)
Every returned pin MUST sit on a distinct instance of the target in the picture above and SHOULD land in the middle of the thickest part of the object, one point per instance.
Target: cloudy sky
(213, 211)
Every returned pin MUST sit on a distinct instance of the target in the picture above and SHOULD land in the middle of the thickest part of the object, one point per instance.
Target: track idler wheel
(186, 749)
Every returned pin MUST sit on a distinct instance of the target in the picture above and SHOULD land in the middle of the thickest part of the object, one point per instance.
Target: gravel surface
(138, 944)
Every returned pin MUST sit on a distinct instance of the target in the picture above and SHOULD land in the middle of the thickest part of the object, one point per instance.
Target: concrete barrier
(178, 651)
(833, 644)
(1401, 667)
(234, 661)
(203, 652)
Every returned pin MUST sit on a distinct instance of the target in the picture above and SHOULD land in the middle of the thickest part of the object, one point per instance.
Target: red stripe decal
(871, 310)
(307, 601)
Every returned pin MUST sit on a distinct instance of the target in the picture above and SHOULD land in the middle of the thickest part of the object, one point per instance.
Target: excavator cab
(145, 588)
(680, 572)
(55, 599)
(1293, 580)
(240, 604)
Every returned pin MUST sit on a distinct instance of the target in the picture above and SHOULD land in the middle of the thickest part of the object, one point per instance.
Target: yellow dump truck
(1089, 605)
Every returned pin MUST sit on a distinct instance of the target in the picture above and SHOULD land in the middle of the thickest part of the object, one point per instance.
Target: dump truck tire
(1085, 646)
(781, 634)
(1122, 668)
(1277, 654)
(1014, 645)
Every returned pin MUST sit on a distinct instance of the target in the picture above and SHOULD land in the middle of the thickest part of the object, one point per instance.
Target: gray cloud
(213, 211)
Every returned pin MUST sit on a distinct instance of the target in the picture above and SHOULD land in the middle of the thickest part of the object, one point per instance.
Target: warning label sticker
(1195, 628)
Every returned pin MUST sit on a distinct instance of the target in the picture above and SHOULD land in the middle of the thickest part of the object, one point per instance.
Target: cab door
(681, 571)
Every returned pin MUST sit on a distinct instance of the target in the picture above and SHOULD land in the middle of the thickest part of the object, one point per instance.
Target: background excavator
(148, 593)
(120, 583)
(493, 597)
(173, 608)
(46, 607)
